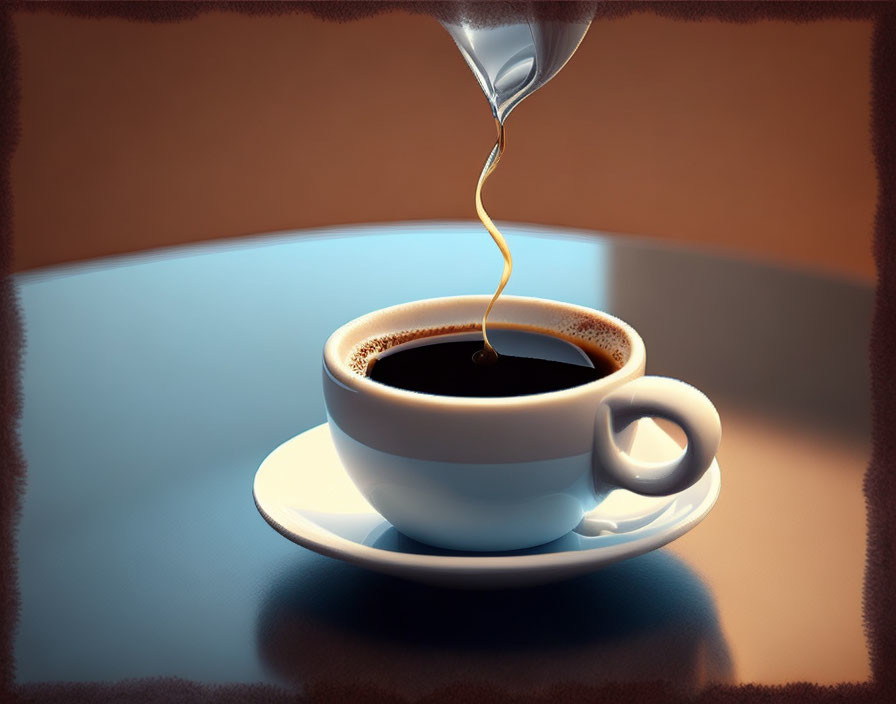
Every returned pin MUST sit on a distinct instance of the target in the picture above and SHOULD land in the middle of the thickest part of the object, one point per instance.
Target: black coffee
(447, 368)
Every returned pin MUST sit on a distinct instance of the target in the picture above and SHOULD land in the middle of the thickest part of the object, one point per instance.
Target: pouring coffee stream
(510, 62)
(488, 354)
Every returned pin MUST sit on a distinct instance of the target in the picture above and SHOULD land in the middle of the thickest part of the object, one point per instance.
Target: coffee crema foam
(579, 330)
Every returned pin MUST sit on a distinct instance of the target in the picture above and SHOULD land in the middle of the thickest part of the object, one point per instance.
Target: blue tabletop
(155, 384)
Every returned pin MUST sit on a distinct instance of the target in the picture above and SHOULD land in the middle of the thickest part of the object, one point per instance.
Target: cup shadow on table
(650, 618)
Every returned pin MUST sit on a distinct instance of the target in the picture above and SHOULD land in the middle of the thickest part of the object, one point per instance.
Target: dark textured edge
(880, 485)
(12, 462)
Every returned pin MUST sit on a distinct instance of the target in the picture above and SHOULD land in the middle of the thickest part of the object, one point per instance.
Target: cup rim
(339, 372)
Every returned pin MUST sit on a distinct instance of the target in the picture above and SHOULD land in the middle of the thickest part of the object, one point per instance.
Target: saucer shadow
(387, 537)
(646, 619)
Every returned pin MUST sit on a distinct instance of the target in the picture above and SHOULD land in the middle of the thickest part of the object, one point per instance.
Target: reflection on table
(646, 619)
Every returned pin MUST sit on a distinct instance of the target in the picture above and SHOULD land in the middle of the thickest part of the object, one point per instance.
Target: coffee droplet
(485, 357)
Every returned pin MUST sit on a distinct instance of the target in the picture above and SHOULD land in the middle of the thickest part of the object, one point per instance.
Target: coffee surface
(446, 368)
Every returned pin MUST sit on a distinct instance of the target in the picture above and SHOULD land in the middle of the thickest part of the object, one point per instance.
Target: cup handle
(660, 397)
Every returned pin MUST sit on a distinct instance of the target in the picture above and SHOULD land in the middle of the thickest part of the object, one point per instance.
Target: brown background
(751, 138)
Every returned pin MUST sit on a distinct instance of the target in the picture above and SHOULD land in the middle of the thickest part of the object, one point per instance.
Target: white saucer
(302, 490)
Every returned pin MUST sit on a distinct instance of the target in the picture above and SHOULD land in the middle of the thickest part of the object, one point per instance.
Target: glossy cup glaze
(491, 474)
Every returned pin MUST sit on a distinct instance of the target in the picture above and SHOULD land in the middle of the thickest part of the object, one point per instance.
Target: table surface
(154, 385)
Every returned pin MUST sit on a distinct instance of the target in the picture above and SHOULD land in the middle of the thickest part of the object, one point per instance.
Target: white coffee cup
(491, 474)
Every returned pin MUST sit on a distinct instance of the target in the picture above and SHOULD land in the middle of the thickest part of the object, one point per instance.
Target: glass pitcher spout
(511, 61)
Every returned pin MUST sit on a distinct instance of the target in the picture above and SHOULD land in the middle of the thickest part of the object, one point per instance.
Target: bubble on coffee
(598, 333)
